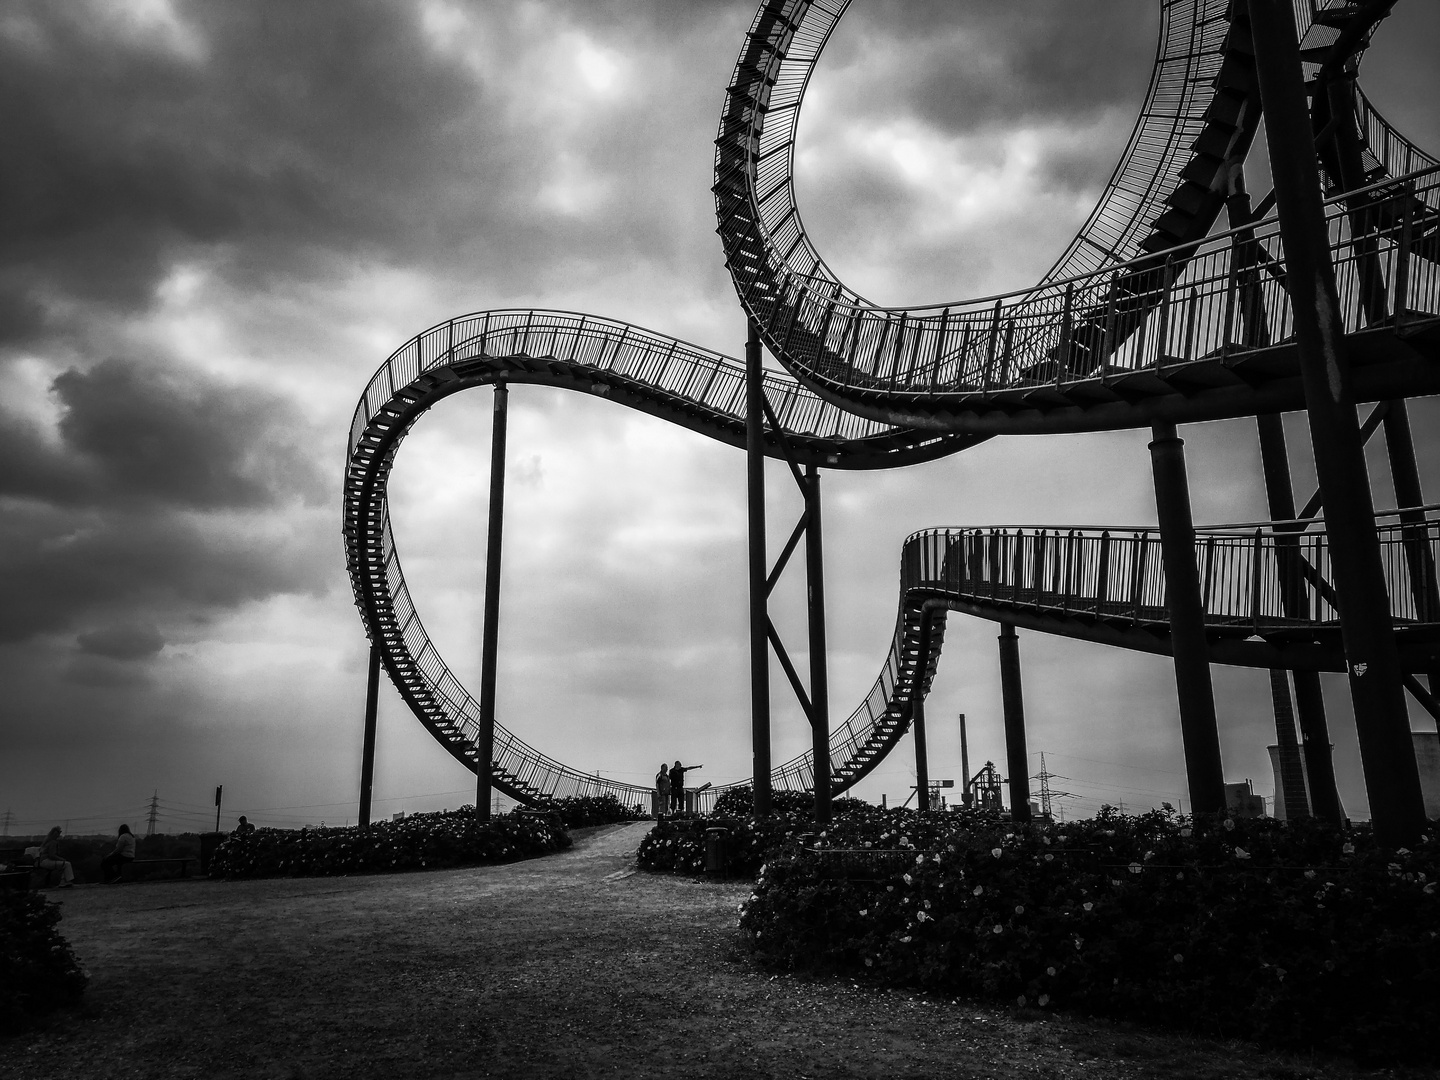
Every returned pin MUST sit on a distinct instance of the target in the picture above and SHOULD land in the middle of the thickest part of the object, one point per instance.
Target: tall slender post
(1387, 752)
(1405, 476)
(1309, 698)
(819, 670)
(922, 754)
(1012, 695)
(1198, 730)
(367, 754)
(759, 615)
(489, 647)
(965, 795)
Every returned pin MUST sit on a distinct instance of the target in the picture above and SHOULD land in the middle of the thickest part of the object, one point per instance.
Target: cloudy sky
(219, 218)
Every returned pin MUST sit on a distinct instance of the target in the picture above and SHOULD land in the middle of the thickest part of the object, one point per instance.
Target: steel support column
(367, 753)
(922, 754)
(1198, 730)
(489, 648)
(1382, 723)
(1309, 698)
(1012, 695)
(759, 589)
(1405, 476)
(819, 671)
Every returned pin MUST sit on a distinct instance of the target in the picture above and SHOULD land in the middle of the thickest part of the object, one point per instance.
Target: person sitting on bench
(50, 859)
(113, 865)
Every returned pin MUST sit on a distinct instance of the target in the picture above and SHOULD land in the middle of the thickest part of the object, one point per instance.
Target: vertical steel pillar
(1012, 696)
(1405, 476)
(759, 616)
(1387, 753)
(922, 755)
(819, 671)
(367, 754)
(489, 647)
(1198, 730)
(1309, 698)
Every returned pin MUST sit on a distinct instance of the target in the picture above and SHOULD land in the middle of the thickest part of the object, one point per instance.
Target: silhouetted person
(243, 827)
(50, 858)
(677, 785)
(662, 790)
(113, 865)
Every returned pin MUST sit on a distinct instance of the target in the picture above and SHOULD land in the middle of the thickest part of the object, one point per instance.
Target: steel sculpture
(1150, 316)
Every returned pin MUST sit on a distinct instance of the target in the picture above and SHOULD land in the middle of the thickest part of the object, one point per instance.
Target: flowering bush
(1294, 933)
(418, 842)
(38, 971)
(578, 811)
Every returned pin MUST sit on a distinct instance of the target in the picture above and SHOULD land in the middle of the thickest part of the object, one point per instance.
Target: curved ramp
(1138, 322)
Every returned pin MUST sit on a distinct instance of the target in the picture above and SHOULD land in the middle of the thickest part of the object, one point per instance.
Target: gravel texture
(572, 965)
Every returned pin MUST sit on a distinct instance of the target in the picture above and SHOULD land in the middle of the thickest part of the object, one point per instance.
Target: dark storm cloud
(124, 641)
(136, 435)
(971, 65)
(136, 505)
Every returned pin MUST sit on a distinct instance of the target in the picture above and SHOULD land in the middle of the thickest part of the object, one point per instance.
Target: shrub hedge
(417, 842)
(38, 970)
(578, 811)
(1296, 934)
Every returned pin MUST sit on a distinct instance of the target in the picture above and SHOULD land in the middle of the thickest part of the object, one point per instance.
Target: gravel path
(569, 966)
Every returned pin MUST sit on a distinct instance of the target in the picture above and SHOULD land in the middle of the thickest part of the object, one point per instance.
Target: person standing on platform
(662, 791)
(677, 785)
(113, 865)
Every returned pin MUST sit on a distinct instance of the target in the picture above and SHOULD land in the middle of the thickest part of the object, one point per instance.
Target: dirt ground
(569, 966)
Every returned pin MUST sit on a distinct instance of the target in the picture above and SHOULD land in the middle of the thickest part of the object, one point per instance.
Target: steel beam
(1386, 750)
(1012, 695)
(1198, 730)
(759, 588)
(490, 644)
(367, 753)
(922, 755)
(1309, 698)
(819, 669)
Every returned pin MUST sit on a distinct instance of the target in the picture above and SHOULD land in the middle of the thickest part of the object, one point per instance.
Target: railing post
(819, 674)
(1198, 729)
(490, 643)
(759, 617)
(1402, 256)
(1387, 751)
(367, 753)
(1013, 701)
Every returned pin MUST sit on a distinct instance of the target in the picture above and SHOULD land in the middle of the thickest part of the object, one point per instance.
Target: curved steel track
(1146, 315)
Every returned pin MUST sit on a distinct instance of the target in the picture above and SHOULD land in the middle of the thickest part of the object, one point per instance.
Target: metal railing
(1254, 579)
(1133, 310)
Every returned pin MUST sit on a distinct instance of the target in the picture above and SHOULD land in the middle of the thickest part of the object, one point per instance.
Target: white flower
(1429, 890)
(906, 939)
(864, 911)
(1049, 857)
(908, 880)
(999, 929)
(1050, 971)
(1187, 833)
(1135, 868)
(997, 852)
(920, 916)
(869, 962)
(977, 890)
(927, 905)
(1241, 853)
(1347, 849)
(1402, 851)
(1229, 824)
(1088, 906)
(919, 860)
(1043, 1000)
(1020, 1001)
(1179, 958)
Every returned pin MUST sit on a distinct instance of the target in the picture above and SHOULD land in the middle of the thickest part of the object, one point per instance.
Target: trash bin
(208, 843)
(716, 853)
